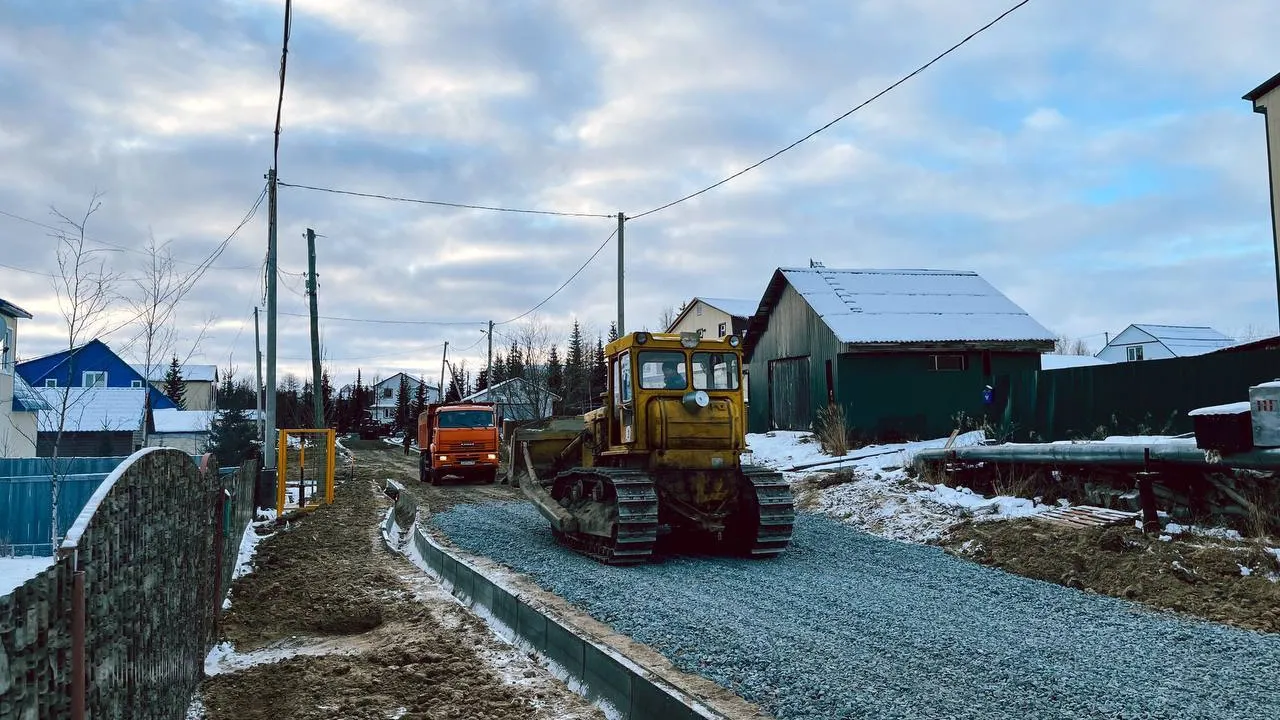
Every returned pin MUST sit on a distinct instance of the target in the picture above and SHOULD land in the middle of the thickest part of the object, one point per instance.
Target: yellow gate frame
(282, 476)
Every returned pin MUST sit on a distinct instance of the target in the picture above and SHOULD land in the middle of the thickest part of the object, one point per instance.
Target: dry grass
(832, 431)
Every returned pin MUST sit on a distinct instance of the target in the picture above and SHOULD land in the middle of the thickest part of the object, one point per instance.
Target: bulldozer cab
(675, 399)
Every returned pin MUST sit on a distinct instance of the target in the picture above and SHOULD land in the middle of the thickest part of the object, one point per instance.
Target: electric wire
(844, 115)
(442, 203)
(563, 285)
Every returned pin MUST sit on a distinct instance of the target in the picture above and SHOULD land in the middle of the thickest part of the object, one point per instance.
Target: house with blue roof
(91, 365)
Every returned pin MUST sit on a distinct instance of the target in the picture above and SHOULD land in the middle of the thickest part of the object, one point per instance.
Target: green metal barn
(903, 351)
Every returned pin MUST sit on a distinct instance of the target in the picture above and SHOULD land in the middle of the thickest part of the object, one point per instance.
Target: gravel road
(847, 625)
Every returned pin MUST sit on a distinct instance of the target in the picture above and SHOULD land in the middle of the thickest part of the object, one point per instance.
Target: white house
(187, 430)
(715, 317)
(517, 399)
(386, 392)
(200, 381)
(19, 405)
(1158, 342)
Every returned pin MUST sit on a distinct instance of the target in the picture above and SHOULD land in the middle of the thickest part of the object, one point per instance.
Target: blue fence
(26, 498)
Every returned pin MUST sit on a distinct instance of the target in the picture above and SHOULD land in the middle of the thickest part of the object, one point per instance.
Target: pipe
(1103, 453)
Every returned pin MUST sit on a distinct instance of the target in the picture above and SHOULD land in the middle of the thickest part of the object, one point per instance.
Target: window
(135, 383)
(6, 350)
(94, 378)
(386, 393)
(723, 327)
(947, 363)
(715, 371)
(465, 419)
(1134, 353)
(622, 379)
(50, 382)
(663, 370)
(698, 310)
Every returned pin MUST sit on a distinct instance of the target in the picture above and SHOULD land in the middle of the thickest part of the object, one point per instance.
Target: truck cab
(459, 440)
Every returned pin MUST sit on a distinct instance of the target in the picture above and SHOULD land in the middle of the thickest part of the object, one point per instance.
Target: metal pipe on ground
(1120, 455)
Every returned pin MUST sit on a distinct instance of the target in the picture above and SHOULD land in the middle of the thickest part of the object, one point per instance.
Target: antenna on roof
(815, 263)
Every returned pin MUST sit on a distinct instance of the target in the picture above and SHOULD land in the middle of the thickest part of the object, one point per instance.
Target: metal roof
(94, 409)
(8, 308)
(1187, 340)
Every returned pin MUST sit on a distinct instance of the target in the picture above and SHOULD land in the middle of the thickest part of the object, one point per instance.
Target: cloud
(1096, 166)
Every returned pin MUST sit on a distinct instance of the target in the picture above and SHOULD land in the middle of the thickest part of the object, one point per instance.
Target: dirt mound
(1219, 580)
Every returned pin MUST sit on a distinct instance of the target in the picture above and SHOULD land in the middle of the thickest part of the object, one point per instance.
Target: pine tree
(599, 372)
(326, 399)
(174, 388)
(575, 371)
(420, 398)
(555, 377)
(515, 361)
(402, 403)
(231, 436)
(482, 380)
(499, 369)
(613, 331)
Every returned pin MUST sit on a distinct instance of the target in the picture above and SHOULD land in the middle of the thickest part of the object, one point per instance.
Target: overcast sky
(1093, 160)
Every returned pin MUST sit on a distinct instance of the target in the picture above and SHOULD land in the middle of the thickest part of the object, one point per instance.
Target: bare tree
(1068, 346)
(85, 290)
(534, 338)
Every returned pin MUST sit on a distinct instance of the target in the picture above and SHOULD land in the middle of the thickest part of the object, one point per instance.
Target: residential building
(386, 392)
(902, 352)
(187, 430)
(517, 399)
(1263, 97)
(92, 364)
(98, 421)
(18, 407)
(1157, 342)
(200, 383)
(714, 317)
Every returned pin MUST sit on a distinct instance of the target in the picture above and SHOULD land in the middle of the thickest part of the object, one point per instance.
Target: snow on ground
(881, 498)
(14, 571)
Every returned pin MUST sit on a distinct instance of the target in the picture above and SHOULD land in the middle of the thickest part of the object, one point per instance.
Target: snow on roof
(190, 373)
(182, 421)
(1235, 408)
(903, 306)
(506, 394)
(1185, 340)
(1052, 361)
(732, 306)
(94, 409)
(25, 398)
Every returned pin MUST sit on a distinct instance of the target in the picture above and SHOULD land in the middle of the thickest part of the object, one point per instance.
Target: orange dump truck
(458, 439)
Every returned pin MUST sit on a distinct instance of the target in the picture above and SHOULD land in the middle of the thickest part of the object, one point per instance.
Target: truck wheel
(490, 476)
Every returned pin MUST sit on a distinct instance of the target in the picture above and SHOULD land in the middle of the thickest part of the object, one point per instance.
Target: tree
(599, 373)
(326, 397)
(668, 316)
(235, 393)
(515, 360)
(613, 331)
(420, 398)
(482, 379)
(402, 403)
(499, 370)
(555, 377)
(174, 387)
(1064, 345)
(575, 372)
(231, 436)
(85, 291)
(459, 382)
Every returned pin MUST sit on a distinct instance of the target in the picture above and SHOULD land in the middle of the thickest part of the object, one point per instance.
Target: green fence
(1148, 397)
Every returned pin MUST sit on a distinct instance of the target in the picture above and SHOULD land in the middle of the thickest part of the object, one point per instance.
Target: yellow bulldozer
(660, 460)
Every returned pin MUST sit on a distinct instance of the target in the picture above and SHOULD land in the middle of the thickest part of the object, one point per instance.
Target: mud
(1191, 575)
(330, 624)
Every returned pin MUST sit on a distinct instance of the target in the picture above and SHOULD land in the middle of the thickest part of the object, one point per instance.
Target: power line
(861, 105)
(442, 203)
(380, 321)
(531, 310)
(284, 57)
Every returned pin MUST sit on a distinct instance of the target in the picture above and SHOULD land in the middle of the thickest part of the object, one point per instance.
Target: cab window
(465, 419)
(663, 370)
(622, 378)
(715, 371)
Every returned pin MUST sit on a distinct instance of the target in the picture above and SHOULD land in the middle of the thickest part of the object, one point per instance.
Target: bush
(832, 431)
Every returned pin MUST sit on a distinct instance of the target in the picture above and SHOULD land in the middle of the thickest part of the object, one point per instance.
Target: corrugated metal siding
(794, 330)
(895, 396)
(12, 467)
(75, 444)
(25, 504)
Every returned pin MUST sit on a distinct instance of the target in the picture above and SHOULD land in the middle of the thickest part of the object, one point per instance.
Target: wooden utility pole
(317, 391)
(258, 423)
(444, 362)
(488, 366)
(269, 432)
(622, 219)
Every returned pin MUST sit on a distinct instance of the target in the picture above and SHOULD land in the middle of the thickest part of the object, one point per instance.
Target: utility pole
(488, 366)
(269, 433)
(622, 219)
(258, 423)
(444, 361)
(317, 391)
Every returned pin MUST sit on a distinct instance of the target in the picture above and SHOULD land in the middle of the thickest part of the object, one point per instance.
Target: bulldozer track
(777, 513)
(637, 526)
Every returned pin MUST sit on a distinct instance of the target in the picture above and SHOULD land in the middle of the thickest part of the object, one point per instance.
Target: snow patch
(14, 571)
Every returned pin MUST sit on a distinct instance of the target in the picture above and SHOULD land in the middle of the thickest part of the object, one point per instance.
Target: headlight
(642, 338)
(696, 400)
(734, 341)
(492, 456)
(689, 339)
(443, 458)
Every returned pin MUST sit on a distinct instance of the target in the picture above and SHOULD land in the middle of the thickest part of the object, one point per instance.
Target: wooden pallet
(1086, 516)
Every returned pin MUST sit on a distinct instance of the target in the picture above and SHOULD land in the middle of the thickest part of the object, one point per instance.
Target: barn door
(789, 394)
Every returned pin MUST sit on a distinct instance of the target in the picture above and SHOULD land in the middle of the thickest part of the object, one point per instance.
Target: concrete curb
(598, 672)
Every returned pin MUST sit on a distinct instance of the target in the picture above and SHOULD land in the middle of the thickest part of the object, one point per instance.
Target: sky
(1093, 160)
